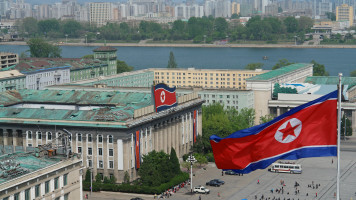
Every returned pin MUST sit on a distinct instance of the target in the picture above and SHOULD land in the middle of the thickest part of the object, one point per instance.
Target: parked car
(213, 183)
(230, 172)
(221, 182)
(201, 189)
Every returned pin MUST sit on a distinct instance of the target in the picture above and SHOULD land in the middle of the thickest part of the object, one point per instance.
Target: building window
(66, 196)
(89, 138)
(79, 137)
(90, 151)
(101, 164)
(90, 163)
(27, 194)
(111, 152)
(49, 136)
(111, 164)
(39, 136)
(65, 179)
(79, 149)
(100, 151)
(100, 138)
(56, 183)
(46, 187)
(37, 190)
(29, 135)
(17, 196)
(110, 139)
(57, 198)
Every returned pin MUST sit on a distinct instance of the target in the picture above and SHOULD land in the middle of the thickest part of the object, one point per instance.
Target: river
(335, 60)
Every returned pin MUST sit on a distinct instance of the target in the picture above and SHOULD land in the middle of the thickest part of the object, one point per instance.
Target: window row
(38, 135)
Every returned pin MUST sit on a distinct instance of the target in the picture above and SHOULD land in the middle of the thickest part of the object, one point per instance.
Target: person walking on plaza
(258, 181)
(199, 197)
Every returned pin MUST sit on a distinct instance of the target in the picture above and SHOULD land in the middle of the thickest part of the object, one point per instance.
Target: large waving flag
(164, 96)
(309, 130)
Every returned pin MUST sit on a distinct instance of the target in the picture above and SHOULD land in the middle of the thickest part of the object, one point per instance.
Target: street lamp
(86, 40)
(204, 39)
(192, 160)
(91, 178)
(66, 37)
(295, 37)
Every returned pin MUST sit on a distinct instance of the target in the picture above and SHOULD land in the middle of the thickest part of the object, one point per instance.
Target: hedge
(141, 189)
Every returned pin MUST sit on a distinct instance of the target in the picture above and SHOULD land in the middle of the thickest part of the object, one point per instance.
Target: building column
(353, 121)
(5, 138)
(14, 140)
(176, 133)
(169, 136)
(278, 111)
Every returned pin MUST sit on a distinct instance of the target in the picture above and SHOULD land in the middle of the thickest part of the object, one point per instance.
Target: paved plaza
(316, 171)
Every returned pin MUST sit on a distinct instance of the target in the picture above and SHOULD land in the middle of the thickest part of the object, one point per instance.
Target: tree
(305, 23)
(48, 25)
(155, 168)
(121, 67)
(291, 24)
(98, 178)
(319, 69)
(126, 177)
(266, 118)
(331, 16)
(87, 175)
(174, 162)
(29, 26)
(71, 27)
(201, 159)
(281, 63)
(253, 66)
(41, 49)
(353, 73)
(89, 56)
(346, 125)
(235, 16)
(171, 62)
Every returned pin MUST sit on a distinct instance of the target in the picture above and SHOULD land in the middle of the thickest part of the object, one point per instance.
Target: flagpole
(338, 140)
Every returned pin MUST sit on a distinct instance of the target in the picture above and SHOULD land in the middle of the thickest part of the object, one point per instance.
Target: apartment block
(345, 13)
(8, 59)
(100, 13)
(204, 78)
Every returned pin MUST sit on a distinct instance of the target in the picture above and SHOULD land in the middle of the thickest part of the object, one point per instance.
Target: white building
(100, 13)
(39, 79)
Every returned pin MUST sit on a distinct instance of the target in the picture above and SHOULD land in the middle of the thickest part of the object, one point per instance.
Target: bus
(286, 168)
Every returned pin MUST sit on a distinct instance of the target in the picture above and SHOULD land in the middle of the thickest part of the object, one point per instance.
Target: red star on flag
(288, 130)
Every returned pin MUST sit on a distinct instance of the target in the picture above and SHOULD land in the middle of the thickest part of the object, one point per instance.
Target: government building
(104, 126)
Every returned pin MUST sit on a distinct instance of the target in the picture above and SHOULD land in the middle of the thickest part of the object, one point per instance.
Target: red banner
(137, 149)
(195, 126)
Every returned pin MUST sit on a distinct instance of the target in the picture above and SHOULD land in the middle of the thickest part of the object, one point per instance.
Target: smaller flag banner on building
(195, 126)
(137, 150)
(309, 130)
(164, 97)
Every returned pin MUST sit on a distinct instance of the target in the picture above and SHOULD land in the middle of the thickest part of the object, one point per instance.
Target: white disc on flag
(163, 96)
(288, 131)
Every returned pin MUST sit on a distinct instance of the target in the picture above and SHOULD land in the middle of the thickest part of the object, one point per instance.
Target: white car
(201, 189)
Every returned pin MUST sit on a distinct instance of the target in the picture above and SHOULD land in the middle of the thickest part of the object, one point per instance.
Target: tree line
(198, 30)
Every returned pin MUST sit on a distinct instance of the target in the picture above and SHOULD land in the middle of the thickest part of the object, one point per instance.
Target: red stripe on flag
(195, 126)
(318, 128)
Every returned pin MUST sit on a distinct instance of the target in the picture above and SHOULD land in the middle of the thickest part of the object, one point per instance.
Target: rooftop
(104, 48)
(194, 69)
(35, 64)
(330, 80)
(10, 74)
(278, 72)
(18, 164)
(86, 108)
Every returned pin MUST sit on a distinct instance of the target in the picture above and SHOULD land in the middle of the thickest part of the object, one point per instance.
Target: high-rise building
(345, 13)
(99, 13)
(235, 8)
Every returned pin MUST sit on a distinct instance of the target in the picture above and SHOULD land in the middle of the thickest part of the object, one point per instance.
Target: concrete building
(100, 13)
(104, 125)
(12, 80)
(31, 177)
(8, 59)
(235, 8)
(205, 78)
(38, 79)
(262, 84)
(107, 55)
(345, 13)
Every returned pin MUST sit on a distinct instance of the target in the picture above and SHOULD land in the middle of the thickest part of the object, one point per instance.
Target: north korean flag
(164, 96)
(137, 150)
(309, 130)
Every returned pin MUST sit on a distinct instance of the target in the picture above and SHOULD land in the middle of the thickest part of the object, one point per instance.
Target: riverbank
(197, 45)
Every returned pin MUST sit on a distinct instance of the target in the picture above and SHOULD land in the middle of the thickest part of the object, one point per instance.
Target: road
(315, 171)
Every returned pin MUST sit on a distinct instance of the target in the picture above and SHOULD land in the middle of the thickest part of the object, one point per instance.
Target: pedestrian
(316, 194)
(218, 194)
(258, 181)
(154, 197)
(332, 161)
(199, 197)
(222, 173)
